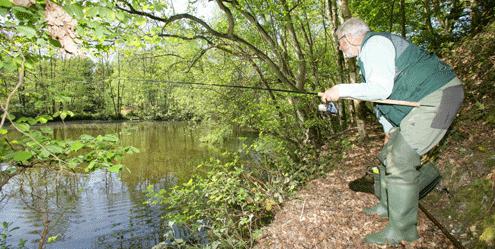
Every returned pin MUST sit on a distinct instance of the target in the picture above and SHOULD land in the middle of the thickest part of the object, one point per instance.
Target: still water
(102, 209)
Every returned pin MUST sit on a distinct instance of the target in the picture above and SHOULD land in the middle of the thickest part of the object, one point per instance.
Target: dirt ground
(326, 213)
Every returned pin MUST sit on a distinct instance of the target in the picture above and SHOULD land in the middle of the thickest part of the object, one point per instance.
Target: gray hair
(352, 26)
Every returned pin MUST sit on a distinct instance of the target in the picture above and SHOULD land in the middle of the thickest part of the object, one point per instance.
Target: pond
(102, 209)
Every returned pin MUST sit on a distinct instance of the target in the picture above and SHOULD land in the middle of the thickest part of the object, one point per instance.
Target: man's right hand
(331, 94)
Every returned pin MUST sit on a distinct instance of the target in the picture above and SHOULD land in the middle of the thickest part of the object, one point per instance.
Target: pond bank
(327, 214)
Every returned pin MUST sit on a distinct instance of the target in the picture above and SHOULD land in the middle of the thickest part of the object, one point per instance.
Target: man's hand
(331, 94)
(387, 137)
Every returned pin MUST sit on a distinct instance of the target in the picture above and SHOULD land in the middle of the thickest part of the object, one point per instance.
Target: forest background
(134, 60)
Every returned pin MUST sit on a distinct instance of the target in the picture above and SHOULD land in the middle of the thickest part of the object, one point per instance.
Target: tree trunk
(353, 74)
(391, 23)
(403, 18)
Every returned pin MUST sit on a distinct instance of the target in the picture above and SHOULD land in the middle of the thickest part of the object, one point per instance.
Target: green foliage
(36, 145)
(5, 231)
(488, 234)
(238, 195)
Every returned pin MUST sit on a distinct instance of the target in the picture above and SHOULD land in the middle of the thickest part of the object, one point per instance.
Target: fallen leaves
(327, 214)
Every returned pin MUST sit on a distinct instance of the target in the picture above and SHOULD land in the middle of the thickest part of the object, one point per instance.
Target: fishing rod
(318, 94)
(226, 86)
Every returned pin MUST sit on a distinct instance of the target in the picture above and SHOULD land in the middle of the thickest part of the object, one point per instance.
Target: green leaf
(74, 10)
(54, 42)
(3, 131)
(93, 11)
(115, 168)
(26, 31)
(22, 156)
(52, 239)
(41, 120)
(87, 138)
(76, 146)
(3, 11)
(5, 3)
(107, 13)
(23, 127)
(46, 130)
(55, 149)
(90, 166)
(63, 115)
(121, 16)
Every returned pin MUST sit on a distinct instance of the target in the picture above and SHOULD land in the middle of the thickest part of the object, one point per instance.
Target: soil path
(327, 214)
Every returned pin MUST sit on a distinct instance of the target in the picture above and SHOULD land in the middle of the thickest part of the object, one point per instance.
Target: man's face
(346, 46)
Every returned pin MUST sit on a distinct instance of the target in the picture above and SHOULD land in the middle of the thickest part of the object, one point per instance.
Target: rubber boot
(429, 177)
(380, 188)
(403, 215)
(402, 192)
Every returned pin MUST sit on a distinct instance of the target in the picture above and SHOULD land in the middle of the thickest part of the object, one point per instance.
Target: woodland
(188, 61)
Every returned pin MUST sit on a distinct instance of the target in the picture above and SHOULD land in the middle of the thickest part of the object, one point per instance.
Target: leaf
(74, 10)
(76, 146)
(22, 156)
(93, 11)
(90, 166)
(55, 149)
(27, 31)
(46, 130)
(54, 42)
(42, 120)
(3, 131)
(115, 168)
(23, 127)
(3, 11)
(488, 235)
(52, 239)
(107, 13)
(5, 3)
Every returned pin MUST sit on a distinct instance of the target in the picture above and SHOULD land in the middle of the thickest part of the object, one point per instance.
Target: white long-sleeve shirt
(378, 59)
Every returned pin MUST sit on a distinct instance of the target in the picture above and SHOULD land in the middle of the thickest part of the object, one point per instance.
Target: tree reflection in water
(101, 209)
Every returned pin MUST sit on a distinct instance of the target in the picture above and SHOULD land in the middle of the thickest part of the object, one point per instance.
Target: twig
(302, 210)
(9, 97)
(36, 141)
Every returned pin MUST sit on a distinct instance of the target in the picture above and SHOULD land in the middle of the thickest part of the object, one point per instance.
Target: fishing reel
(328, 107)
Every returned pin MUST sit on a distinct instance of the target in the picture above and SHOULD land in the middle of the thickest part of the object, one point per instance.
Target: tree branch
(196, 58)
(230, 18)
(5, 107)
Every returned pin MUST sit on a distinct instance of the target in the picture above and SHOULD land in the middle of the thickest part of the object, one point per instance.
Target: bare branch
(5, 107)
(196, 58)
(232, 37)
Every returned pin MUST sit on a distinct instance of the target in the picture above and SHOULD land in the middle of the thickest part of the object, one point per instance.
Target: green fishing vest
(417, 74)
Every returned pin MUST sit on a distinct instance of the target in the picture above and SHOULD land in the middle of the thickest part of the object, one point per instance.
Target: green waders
(422, 128)
(401, 180)
(380, 189)
(428, 178)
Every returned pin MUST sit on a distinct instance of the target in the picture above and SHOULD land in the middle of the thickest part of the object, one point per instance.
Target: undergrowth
(238, 195)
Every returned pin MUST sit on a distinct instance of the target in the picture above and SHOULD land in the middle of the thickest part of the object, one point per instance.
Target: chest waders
(399, 182)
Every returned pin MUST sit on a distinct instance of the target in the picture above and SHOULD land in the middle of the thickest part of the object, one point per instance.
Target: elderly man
(393, 68)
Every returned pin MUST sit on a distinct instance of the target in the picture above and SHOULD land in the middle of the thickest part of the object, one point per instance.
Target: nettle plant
(25, 29)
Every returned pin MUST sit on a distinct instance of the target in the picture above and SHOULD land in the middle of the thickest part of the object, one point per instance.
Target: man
(393, 68)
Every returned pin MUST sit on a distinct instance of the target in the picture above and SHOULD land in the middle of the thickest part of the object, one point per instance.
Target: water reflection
(101, 210)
